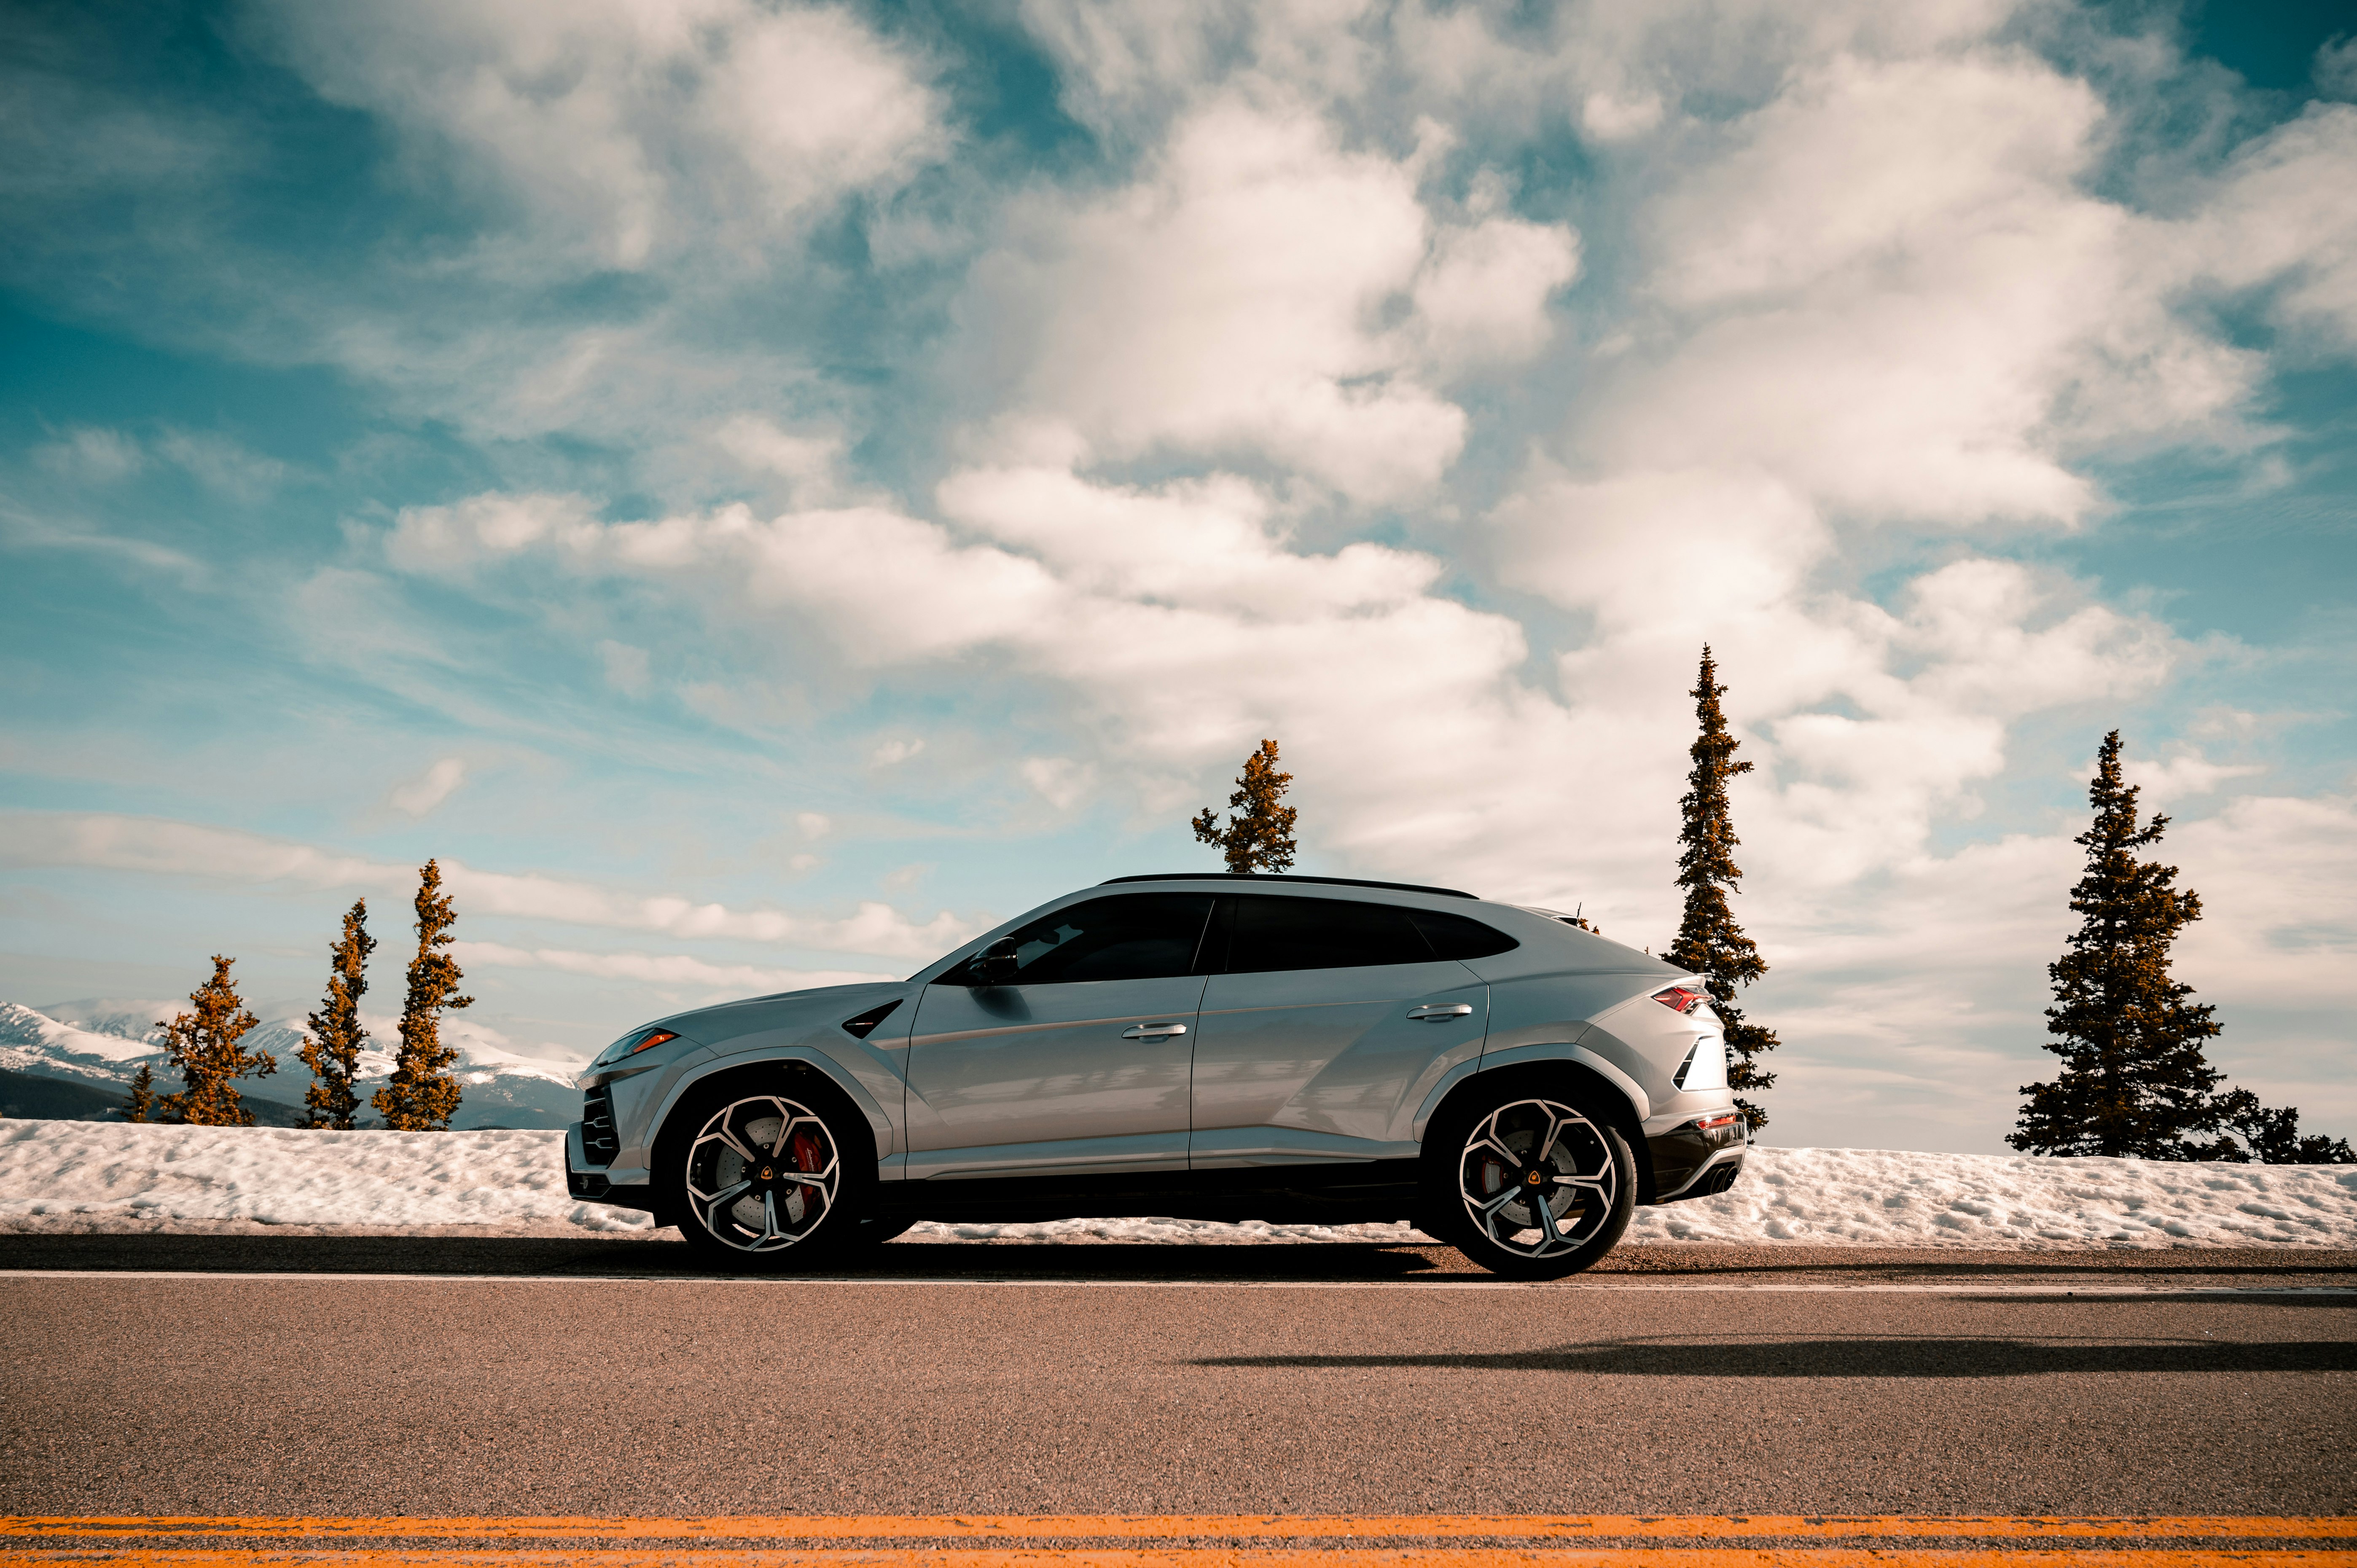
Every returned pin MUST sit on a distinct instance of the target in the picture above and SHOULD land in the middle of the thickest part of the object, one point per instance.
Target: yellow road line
(1696, 1527)
(1200, 1557)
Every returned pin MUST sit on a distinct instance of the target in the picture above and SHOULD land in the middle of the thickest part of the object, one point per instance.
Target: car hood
(792, 1010)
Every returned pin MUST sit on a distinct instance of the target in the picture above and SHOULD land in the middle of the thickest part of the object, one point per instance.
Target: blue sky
(767, 489)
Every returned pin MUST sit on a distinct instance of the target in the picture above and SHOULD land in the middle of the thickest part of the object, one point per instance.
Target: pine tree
(1709, 942)
(333, 1051)
(1259, 834)
(2134, 1080)
(139, 1105)
(204, 1047)
(2270, 1136)
(422, 1095)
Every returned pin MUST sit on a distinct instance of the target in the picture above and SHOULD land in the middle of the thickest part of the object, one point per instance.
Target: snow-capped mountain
(103, 1041)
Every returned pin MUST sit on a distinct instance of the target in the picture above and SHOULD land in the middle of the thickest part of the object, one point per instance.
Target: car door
(1323, 1018)
(1080, 1062)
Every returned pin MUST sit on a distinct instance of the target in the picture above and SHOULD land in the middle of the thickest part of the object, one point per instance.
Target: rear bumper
(1691, 1163)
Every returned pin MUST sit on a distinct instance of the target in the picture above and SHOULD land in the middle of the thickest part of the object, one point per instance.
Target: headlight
(631, 1044)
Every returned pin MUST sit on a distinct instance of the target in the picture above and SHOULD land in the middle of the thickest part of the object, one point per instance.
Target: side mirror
(993, 965)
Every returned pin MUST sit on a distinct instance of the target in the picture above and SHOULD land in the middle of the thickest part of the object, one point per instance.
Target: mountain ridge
(103, 1042)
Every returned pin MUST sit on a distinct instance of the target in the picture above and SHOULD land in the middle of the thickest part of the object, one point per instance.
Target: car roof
(1283, 877)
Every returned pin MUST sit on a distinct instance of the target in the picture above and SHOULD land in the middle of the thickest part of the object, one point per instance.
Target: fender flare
(880, 1126)
(1637, 1103)
(1602, 1066)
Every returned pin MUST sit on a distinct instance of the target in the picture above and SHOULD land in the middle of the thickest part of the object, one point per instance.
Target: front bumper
(592, 1187)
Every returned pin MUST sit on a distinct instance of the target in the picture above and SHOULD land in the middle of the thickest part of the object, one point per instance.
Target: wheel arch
(1623, 1100)
(772, 1071)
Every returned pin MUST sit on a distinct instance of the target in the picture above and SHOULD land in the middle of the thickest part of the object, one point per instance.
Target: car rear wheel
(1530, 1181)
(764, 1178)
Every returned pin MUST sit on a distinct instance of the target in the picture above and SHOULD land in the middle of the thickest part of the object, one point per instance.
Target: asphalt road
(1383, 1384)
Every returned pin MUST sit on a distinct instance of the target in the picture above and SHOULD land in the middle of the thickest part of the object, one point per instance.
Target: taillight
(1713, 1123)
(1681, 998)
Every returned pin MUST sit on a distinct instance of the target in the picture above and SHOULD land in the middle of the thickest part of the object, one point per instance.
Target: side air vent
(598, 1137)
(859, 1028)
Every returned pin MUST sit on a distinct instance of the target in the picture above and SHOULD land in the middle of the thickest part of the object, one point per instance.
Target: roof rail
(1285, 876)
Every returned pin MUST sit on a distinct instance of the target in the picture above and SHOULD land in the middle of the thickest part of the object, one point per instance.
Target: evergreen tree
(333, 1051)
(2270, 1136)
(423, 1095)
(1259, 834)
(204, 1047)
(2134, 1080)
(139, 1105)
(1709, 942)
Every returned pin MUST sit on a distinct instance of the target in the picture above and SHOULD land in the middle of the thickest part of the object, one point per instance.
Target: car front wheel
(1530, 1181)
(766, 1180)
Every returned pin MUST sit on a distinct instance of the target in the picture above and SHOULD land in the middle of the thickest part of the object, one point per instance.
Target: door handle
(1152, 1031)
(1438, 1013)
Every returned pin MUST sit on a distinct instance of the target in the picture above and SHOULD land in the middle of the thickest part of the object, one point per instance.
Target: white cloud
(1229, 303)
(1061, 781)
(2187, 773)
(1610, 117)
(628, 669)
(1892, 292)
(632, 135)
(2335, 72)
(807, 463)
(90, 454)
(24, 530)
(892, 753)
(656, 968)
(221, 464)
(159, 847)
(430, 788)
(2284, 216)
(1216, 543)
(1482, 298)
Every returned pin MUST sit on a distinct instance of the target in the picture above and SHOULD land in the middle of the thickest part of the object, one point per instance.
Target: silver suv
(1284, 1048)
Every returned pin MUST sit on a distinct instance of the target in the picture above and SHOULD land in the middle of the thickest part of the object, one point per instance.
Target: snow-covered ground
(98, 1175)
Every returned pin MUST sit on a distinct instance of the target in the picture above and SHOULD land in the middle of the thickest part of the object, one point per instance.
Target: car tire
(768, 1174)
(1504, 1159)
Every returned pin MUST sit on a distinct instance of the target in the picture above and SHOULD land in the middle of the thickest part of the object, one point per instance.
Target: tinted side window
(1137, 936)
(1320, 933)
(1454, 935)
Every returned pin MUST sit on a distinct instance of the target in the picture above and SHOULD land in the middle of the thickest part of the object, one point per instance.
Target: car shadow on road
(559, 1257)
(1858, 1358)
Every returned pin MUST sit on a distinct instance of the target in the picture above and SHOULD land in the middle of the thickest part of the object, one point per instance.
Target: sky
(762, 491)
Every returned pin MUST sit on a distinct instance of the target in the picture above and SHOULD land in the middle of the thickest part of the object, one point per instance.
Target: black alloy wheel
(763, 1177)
(1531, 1180)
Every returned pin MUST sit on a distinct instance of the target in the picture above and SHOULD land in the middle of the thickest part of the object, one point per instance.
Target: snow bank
(116, 1175)
(1879, 1197)
(111, 1176)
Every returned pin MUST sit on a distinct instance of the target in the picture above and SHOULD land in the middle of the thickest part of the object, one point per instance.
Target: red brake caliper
(807, 1155)
(1495, 1178)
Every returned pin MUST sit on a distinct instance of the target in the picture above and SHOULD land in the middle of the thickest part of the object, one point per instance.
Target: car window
(1137, 936)
(1269, 934)
(1454, 935)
